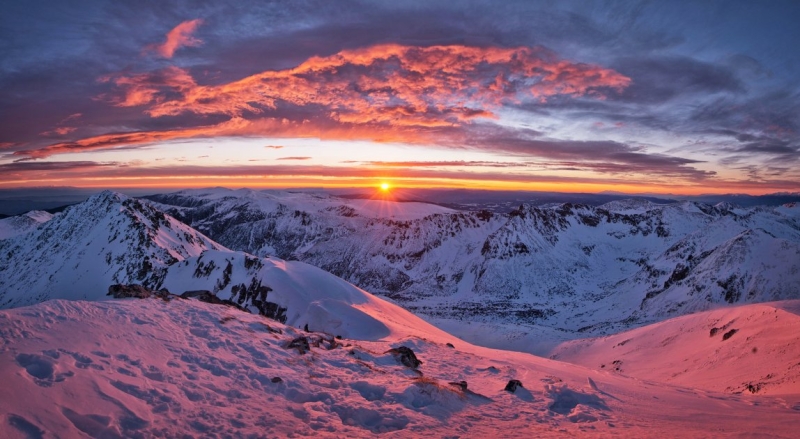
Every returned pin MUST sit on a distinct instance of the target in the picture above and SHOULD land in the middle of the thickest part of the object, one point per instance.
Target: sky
(589, 96)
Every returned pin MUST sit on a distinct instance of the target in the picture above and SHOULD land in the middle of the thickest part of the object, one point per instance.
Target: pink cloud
(180, 36)
(389, 84)
(58, 132)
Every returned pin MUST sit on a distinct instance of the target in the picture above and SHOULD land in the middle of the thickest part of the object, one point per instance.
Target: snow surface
(571, 268)
(107, 239)
(750, 348)
(312, 296)
(21, 224)
(268, 200)
(149, 368)
(526, 281)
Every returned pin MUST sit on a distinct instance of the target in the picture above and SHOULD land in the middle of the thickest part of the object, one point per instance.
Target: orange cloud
(147, 88)
(390, 84)
(180, 36)
(59, 131)
(111, 174)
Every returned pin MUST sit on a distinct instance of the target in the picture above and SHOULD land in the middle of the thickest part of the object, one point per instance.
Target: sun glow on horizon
(385, 186)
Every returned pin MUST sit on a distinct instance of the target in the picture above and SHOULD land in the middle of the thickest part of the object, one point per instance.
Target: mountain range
(576, 269)
(565, 266)
(661, 309)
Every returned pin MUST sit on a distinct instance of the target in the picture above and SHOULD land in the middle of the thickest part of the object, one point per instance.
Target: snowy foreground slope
(150, 368)
(749, 348)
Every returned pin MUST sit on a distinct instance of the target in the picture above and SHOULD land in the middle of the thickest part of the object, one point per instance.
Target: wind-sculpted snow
(105, 240)
(574, 267)
(181, 368)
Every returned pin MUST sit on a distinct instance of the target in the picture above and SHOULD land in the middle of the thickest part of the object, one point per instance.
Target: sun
(385, 186)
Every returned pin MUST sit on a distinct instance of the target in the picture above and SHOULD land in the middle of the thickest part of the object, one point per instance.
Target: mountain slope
(149, 368)
(20, 224)
(565, 266)
(749, 348)
(297, 294)
(107, 239)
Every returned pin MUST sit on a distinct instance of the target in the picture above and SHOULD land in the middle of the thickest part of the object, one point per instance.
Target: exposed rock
(277, 380)
(299, 343)
(729, 334)
(450, 345)
(461, 384)
(120, 291)
(209, 297)
(405, 356)
(512, 385)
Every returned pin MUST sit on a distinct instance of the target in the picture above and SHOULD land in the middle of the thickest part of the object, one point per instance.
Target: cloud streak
(124, 174)
(179, 36)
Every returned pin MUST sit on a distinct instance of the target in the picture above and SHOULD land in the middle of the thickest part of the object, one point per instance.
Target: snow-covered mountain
(748, 348)
(180, 368)
(20, 224)
(573, 267)
(105, 240)
(295, 293)
(113, 239)
(531, 278)
(160, 367)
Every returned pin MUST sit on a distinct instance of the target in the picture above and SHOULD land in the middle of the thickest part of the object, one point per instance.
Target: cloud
(118, 140)
(273, 146)
(392, 84)
(49, 166)
(180, 36)
(657, 79)
(33, 170)
(441, 164)
(438, 95)
(149, 87)
(180, 176)
(70, 117)
(59, 132)
(294, 158)
(599, 156)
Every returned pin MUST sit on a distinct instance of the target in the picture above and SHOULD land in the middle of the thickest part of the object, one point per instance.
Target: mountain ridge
(528, 266)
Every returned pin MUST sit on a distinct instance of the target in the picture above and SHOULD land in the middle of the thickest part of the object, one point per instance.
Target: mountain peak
(108, 196)
(109, 238)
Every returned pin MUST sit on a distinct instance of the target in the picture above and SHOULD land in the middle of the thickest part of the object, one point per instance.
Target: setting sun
(385, 186)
